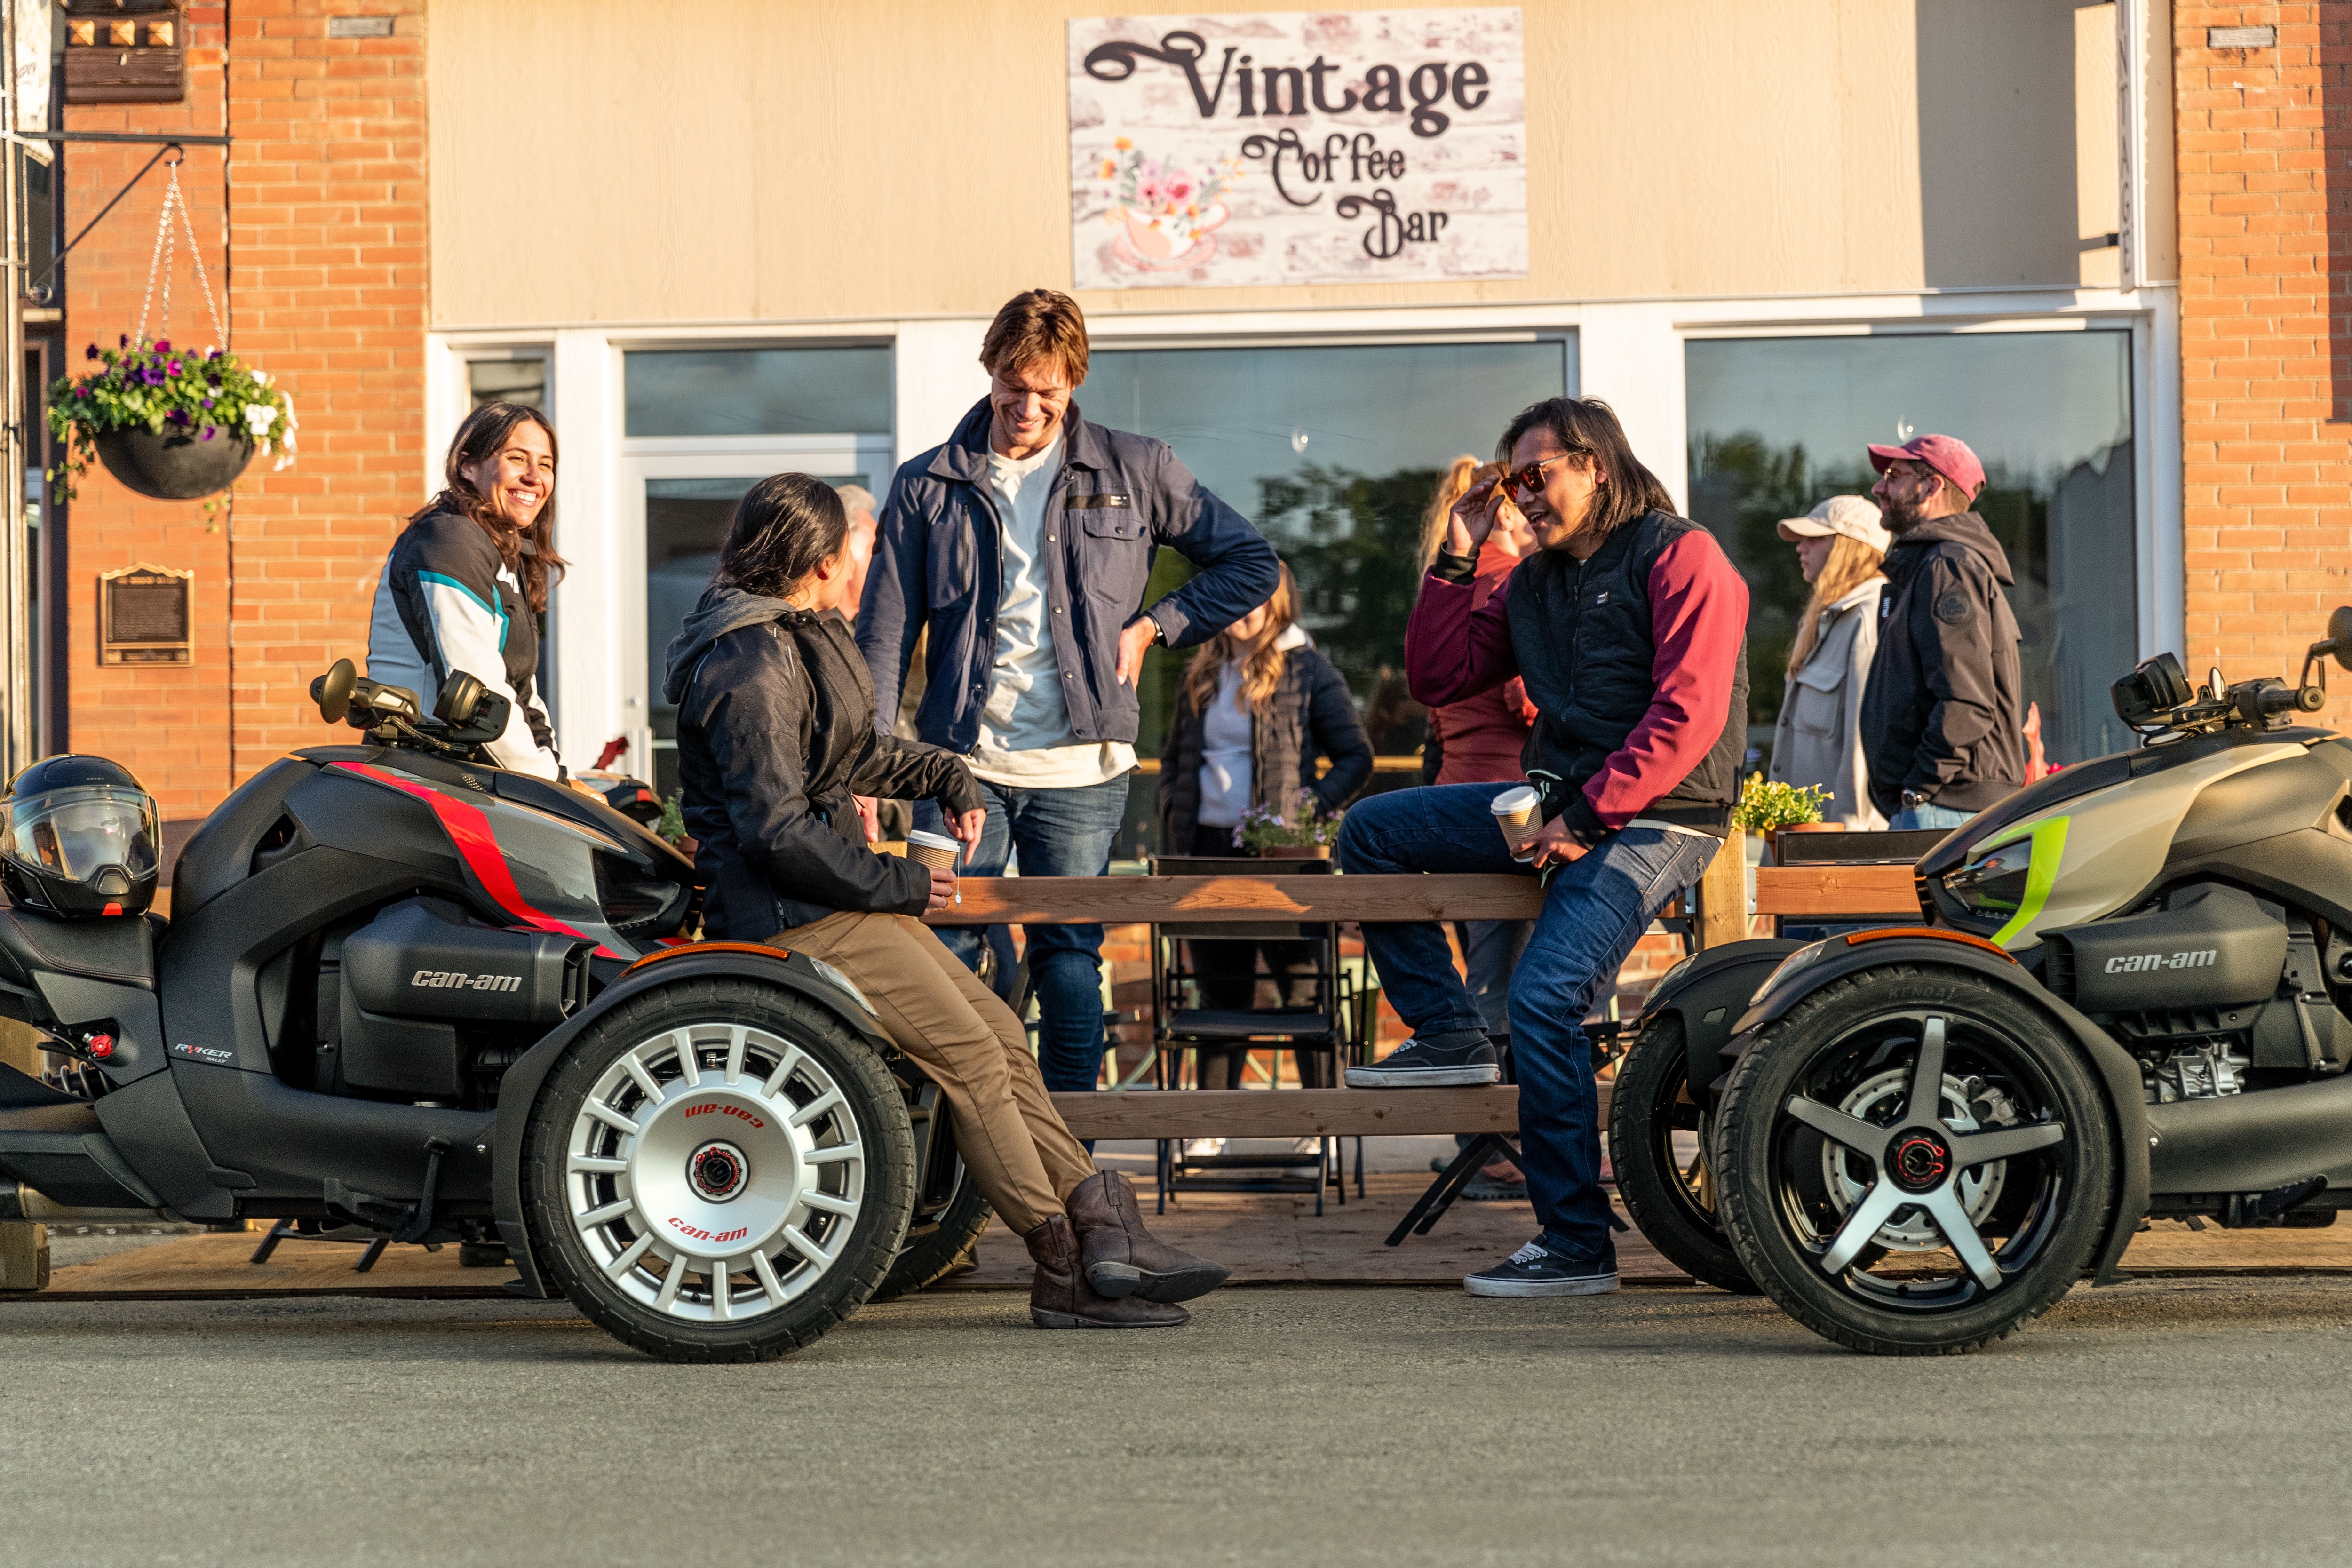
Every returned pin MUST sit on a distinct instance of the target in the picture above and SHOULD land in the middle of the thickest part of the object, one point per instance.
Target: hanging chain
(166, 239)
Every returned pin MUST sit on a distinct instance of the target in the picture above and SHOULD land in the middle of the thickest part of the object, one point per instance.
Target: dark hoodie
(1941, 715)
(775, 732)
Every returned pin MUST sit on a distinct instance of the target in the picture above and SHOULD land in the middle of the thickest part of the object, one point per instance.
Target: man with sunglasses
(1628, 626)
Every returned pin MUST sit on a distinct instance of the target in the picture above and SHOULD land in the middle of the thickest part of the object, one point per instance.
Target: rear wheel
(1657, 1145)
(927, 1258)
(718, 1172)
(1914, 1161)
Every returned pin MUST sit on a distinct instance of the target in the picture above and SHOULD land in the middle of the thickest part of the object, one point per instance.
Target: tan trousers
(937, 1011)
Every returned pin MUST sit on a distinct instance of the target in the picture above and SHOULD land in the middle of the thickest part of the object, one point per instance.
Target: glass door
(683, 503)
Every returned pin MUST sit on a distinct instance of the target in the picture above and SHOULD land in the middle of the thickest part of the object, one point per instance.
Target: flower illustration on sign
(1165, 212)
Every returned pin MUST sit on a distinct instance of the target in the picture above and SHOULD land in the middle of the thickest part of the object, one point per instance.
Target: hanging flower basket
(169, 424)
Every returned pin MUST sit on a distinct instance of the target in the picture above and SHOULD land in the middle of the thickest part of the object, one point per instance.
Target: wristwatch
(1914, 799)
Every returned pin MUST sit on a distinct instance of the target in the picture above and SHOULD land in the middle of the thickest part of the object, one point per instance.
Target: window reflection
(758, 391)
(522, 381)
(1333, 452)
(1777, 424)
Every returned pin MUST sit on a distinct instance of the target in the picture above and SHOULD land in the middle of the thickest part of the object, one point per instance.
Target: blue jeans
(1594, 912)
(1059, 832)
(1914, 818)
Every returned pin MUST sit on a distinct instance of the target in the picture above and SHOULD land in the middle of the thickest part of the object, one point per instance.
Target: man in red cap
(1941, 718)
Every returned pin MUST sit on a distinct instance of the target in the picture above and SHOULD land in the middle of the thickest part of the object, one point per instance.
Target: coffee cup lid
(1513, 800)
(932, 840)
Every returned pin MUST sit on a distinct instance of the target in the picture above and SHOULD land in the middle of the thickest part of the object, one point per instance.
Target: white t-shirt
(1024, 726)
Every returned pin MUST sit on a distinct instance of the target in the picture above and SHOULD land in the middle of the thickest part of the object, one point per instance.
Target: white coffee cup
(1515, 815)
(935, 850)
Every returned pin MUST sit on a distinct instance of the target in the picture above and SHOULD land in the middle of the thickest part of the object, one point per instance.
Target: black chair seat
(1271, 1024)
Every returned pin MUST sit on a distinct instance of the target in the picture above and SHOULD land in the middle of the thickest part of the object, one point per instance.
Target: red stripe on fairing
(469, 827)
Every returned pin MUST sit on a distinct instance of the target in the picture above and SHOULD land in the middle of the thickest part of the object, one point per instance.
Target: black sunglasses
(1516, 485)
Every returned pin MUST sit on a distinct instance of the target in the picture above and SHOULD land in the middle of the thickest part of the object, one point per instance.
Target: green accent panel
(2041, 877)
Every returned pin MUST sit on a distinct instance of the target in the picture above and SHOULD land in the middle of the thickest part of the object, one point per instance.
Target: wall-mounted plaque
(144, 614)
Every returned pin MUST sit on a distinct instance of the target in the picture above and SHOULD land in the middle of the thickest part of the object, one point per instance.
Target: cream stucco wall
(651, 161)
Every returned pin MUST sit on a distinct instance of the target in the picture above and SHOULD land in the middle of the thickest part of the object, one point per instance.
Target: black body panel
(149, 1124)
(2208, 947)
(1708, 991)
(2254, 1142)
(289, 1141)
(520, 1088)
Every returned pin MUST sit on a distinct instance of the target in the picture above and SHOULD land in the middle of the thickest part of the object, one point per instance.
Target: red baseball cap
(1948, 455)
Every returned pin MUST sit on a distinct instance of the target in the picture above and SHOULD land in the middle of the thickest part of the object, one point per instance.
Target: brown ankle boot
(1121, 1258)
(1060, 1297)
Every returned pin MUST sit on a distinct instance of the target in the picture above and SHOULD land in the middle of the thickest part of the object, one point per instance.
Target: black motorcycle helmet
(81, 839)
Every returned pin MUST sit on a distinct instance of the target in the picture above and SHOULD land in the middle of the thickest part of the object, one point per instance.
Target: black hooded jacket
(775, 732)
(1942, 715)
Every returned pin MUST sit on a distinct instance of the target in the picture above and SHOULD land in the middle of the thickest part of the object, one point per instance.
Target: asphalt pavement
(2181, 1422)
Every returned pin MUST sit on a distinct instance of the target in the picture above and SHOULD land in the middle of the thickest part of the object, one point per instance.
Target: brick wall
(2265, 243)
(324, 219)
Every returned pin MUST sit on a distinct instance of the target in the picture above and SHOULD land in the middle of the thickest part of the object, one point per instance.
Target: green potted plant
(170, 424)
(1295, 834)
(1771, 809)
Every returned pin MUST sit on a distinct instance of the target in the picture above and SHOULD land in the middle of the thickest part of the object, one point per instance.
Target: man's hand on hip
(1139, 634)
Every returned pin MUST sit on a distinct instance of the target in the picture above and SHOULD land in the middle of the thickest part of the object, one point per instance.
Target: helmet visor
(74, 834)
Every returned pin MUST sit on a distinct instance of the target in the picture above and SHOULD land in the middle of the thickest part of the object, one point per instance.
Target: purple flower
(208, 403)
(208, 433)
(177, 416)
(81, 392)
(164, 346)
(90, 353)
(212, 354)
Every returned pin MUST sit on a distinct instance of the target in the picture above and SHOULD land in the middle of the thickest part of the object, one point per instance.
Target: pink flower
(1180, 188)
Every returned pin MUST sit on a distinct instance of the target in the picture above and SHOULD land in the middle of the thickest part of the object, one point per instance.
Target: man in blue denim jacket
(1022, 547)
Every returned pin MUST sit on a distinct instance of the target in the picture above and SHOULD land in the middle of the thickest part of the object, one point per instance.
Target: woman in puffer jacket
(775, 736)
(1259, 709)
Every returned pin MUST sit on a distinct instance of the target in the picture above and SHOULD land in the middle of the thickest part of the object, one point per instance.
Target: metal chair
(1327, 1030)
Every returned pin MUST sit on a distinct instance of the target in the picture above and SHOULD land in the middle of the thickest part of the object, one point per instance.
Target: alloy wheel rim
(715, 1172)
(1908, 1174)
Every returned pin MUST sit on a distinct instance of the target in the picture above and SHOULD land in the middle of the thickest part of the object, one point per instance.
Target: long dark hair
(1587, 427)
(483, 434)
(783, 528)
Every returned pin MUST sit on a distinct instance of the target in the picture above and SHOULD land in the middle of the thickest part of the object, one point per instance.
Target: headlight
(828, 973)
(1789, 966)
(1993, 884)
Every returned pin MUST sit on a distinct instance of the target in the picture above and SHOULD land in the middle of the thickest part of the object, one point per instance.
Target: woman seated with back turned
(775, 732)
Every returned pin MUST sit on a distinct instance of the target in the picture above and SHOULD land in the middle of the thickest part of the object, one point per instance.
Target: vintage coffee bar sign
(143, 616)
(1298, 147)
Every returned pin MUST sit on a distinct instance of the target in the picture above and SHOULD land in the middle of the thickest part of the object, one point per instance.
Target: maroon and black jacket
(1637, 661)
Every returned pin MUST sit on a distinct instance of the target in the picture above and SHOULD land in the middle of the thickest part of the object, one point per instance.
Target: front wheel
(718, 1172)
(1657, 1143)
(1914, 1161)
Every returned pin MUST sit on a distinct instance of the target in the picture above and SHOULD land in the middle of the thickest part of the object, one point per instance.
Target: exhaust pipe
(20, 1204)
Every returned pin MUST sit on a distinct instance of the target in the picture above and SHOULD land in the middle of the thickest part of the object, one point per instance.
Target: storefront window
(758, 391)
(1333, 452)
(1777, 424)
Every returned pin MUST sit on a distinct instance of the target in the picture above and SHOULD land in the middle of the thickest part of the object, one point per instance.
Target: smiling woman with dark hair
(775, 737)
(466, 580)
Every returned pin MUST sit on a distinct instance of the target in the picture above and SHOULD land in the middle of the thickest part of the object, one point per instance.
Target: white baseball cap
(1849, 515)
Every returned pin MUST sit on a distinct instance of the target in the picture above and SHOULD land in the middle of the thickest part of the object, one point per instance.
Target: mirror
(332, 691)
(460, 700)
(2339, 632)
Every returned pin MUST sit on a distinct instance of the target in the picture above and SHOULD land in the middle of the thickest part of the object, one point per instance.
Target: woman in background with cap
(1818, 740)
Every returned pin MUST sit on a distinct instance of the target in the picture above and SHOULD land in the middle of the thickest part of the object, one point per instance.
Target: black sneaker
(1425, 1064)
(1536, 1270)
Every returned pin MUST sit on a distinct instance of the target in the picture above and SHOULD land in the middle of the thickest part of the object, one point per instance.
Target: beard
(1900, 517)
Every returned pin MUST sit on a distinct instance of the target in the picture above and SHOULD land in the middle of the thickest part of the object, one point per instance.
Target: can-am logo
(2136, 965)
(735, 1111)
(457, 980)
